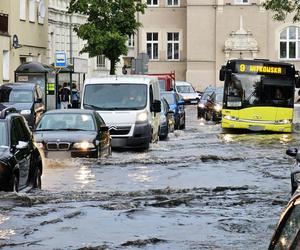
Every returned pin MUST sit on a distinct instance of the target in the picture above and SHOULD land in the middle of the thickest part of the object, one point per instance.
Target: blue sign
(60, 59)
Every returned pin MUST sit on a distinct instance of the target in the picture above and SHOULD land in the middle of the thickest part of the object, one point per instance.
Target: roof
(33, 67)
(183, 83)
(132, 79)
(19, 85)
(70, 111)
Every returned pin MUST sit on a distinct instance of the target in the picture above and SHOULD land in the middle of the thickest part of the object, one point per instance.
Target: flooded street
(201, 189)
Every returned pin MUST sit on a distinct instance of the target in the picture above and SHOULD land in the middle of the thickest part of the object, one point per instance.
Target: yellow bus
(258, 95)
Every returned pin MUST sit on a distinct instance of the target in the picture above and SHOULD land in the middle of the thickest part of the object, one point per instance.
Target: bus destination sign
(260, 69)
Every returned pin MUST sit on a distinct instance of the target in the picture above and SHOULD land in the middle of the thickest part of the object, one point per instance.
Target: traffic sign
(60, 59)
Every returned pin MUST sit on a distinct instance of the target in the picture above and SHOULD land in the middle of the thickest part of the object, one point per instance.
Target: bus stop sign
(60, 59)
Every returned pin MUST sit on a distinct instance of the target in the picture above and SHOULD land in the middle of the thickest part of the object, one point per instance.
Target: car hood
(64, 136)
(18, 106)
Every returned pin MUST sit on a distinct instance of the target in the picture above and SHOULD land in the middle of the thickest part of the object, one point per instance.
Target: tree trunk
(112, 67)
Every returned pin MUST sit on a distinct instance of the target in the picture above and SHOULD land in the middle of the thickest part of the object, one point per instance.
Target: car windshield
(185, 89)
(206, 95)
(3, 137)
(63, 121)
(254, 90)
(169, 97)
(8, 94)
(115, 96)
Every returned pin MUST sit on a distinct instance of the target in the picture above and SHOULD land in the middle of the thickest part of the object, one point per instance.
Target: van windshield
(115, 96)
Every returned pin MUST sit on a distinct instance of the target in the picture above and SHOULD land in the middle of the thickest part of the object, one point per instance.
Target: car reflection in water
(73, 133)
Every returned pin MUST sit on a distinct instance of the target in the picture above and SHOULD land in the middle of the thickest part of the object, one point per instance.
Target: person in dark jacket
(75, 96)
(65, 94)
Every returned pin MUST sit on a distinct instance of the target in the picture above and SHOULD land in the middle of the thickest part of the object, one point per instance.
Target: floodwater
(200, 189)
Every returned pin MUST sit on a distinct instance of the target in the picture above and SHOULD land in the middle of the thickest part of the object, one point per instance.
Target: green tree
(283, 7)
(109, 23)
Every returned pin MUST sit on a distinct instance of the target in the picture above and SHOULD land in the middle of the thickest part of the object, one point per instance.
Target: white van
(129, 105)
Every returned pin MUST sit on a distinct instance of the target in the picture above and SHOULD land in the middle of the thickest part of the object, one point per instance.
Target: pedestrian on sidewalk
(75, 96)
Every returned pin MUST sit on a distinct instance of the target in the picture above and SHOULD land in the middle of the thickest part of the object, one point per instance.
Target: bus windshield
(244, 90)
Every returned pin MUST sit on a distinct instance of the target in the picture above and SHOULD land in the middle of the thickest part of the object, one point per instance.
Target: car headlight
(297, 177)
(83, 145)
(142, 117)
(218, 107)
(25, 112)
(201, 105)
(163, 119)
(285, 121)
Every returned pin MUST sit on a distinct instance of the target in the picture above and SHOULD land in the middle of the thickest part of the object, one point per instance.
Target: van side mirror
(292, 152)
(156, 106)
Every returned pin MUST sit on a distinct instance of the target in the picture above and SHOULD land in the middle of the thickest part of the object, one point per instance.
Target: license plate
(194, 101)
(61, 155)
(256, 128)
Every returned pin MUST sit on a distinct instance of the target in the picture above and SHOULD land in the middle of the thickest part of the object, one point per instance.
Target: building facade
(195, 38)
(23, 34)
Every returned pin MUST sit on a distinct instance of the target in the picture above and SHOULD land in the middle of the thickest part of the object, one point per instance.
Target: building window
(173, 2)
(5, 65)
(289, 47)
(241, 1)
(131, 40)
(23, 9)
(152, 2)
(100, 61)
(32, 12)
(173, 46)
(3, 23)
(152, 45)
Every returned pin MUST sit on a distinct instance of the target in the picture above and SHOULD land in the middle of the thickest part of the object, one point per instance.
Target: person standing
(65, 94)
(75, 96)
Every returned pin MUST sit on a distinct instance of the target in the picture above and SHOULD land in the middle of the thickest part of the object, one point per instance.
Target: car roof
(182, 83)
(70, 111)
(20, 85)
(132, 79)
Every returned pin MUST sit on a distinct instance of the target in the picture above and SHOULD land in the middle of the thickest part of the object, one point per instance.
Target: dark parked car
(73, 133)
(213, 106)
(167, 120)
(177, 106)
(295, 170)
(201, 107)
(26, 98)
(287, 232)
(20, 161)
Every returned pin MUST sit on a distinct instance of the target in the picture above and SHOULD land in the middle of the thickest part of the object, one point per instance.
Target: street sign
(60, 59)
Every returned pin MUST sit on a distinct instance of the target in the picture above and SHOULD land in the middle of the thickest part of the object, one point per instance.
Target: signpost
(60, 59)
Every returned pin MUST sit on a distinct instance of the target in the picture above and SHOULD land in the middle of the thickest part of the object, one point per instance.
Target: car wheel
(38, 179)
(14, 183)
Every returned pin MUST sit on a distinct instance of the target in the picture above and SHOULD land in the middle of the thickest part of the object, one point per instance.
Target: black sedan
(20, 161)
(73, 133)
(287, 232)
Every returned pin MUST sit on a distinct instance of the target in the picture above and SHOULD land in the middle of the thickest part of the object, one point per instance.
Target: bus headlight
(83, 145)
(285, 121)
(142, 117)
(228, 117)
(218, 107)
